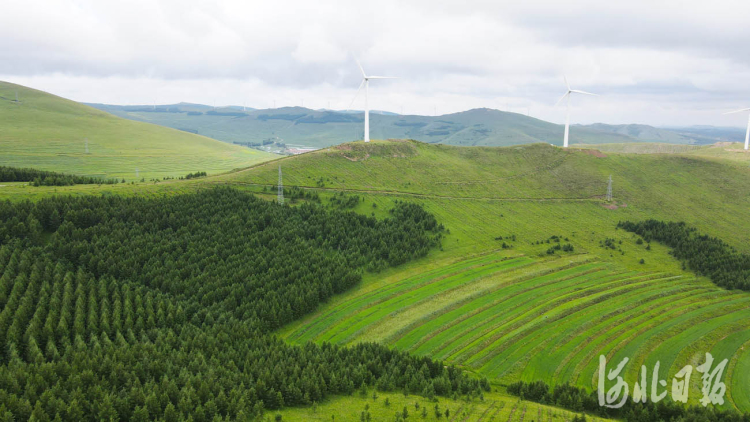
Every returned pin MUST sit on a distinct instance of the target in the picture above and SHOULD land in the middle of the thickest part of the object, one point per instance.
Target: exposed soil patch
(614, 206)
(355, 159)
(595, 152)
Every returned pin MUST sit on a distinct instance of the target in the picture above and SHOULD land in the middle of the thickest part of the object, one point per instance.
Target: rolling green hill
(297, 126)
(51, 133)
(645, 133)
(495, 301)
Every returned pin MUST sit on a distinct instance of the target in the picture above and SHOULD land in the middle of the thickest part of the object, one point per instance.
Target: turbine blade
(562, 98)
(360, 68)
(355, 95)
(583, 92)
(567, 85)
(738, 111)
(382, 77)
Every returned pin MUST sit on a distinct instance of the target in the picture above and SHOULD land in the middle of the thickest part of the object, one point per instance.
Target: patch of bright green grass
(495, 406)
(50, 133)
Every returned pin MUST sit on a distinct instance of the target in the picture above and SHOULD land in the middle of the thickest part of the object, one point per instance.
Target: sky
(663, 63)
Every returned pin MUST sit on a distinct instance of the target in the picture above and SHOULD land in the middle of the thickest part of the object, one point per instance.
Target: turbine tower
(747, 133)
(280, 195)
(366, 84)
(567, 113)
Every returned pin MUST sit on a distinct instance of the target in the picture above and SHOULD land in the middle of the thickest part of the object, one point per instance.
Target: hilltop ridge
(48, 132)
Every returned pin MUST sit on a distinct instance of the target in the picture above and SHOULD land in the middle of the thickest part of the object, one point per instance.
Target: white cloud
(656, 62)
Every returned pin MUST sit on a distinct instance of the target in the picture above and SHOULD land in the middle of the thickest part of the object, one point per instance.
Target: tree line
(49, 178)
(116, 308)
(703, 254)
(195, 175)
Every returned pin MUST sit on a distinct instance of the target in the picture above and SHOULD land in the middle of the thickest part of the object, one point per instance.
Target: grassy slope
(49, 132)
(534, 192)
(537, 190)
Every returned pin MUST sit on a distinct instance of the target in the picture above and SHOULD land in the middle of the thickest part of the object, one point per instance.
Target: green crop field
(512, 318)
(50, 133)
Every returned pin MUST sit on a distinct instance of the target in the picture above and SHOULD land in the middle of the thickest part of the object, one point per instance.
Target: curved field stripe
(641, 337)
(498, 357)
(739, 384)
(478, 347)
(728, 347)
(668, 351)
(323, 323)
(628, 329)
(655, 344)
(361, 319)
(457, 335)
(548, 365)
(417, 334)
(473, 334)
(410, 318)
(540, 362)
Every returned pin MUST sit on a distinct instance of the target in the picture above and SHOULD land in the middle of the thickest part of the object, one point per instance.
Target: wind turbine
(747, 134)
(366, 84)
(567, 114)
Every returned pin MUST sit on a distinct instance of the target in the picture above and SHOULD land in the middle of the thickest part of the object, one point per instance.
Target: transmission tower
(609, 189)
(281, 189)
(87, 145)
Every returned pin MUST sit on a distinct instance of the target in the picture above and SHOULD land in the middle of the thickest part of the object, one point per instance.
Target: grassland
(516, 312)
(724, 151)
(50, 133)
(496, 407)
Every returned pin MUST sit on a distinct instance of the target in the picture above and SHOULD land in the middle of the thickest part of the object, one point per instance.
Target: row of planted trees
(161, 309)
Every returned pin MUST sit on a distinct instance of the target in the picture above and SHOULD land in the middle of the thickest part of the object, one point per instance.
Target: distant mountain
(303, 127)
(711, 134)
(645, 133)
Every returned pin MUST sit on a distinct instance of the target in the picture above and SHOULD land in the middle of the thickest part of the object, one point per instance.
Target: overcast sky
(653, 62)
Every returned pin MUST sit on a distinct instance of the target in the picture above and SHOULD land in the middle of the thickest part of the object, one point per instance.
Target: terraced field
(513, 317)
